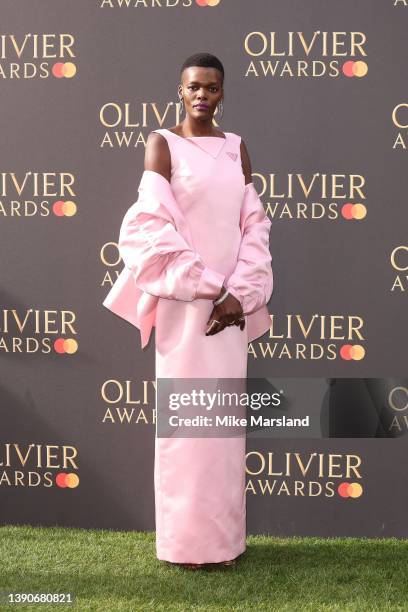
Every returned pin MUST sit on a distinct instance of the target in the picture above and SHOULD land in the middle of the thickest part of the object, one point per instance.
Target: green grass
(117, 570)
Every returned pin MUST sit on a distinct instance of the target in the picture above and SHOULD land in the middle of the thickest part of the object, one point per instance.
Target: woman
(198, 268)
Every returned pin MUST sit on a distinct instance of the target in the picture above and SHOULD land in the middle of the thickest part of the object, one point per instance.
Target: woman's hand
(229, 312)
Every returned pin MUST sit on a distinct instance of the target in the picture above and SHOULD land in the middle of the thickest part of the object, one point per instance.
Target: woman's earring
(181, 105)
(221, 108)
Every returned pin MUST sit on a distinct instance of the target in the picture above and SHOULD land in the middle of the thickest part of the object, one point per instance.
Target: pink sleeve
(252, 280)
(161, 261)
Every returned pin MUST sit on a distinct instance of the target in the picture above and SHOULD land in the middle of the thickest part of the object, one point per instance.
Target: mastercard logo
(352, 351)
(353, 211)
(64, 209)
(67, 481)
(207, 2)
(355, 69)
(66, 345)
(64, 69)
(350, 489)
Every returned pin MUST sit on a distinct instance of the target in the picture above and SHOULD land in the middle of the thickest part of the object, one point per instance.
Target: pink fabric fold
(155, 245)
(252, 280)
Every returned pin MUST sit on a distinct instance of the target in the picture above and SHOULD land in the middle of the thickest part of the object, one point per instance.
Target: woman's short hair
(205, 60)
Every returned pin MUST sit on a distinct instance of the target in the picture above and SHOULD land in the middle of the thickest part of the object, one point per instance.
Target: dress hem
(174, 559)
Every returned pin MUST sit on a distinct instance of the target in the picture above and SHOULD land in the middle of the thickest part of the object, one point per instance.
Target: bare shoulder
(157, 155)
(246, 163)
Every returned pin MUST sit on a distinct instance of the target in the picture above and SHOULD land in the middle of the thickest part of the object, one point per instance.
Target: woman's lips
(201, 107)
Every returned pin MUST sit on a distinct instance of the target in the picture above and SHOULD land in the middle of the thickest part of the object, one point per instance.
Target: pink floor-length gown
(200, 482)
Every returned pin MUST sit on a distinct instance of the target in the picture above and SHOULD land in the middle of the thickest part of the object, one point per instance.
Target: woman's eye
(213, 89)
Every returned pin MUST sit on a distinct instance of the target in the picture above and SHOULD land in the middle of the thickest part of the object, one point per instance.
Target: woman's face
(201, 86)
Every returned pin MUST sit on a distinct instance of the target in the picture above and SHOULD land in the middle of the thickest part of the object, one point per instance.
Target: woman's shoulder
(161, 131)
(160, 139)
(234, 137)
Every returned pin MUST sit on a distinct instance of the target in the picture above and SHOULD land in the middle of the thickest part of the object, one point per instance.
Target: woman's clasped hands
(228, 312)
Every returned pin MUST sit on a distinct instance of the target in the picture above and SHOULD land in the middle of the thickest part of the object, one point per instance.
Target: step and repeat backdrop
(318, 92)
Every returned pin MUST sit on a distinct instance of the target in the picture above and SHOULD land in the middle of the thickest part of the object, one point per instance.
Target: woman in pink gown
(198, 232)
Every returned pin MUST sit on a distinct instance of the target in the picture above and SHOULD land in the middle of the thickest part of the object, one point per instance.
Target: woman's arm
(161, 261)
(252, 280)
(157, 155)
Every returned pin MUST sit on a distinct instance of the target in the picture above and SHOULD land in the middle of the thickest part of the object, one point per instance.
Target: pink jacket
(154, 243)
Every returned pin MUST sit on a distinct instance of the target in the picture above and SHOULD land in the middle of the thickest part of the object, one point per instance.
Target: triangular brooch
(233, 156)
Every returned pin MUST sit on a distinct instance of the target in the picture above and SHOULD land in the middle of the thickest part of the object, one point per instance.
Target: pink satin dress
(180, 242)
(200, 482)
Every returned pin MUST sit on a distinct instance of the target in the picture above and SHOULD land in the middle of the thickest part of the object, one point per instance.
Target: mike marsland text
(232, 421)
